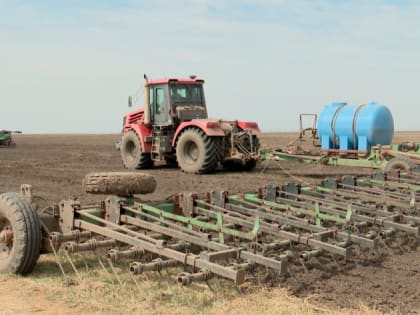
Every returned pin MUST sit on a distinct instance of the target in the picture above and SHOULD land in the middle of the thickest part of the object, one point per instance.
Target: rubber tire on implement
(196, 152)
(119, 183)
(16, 211)
(131, 152)
(400, 163)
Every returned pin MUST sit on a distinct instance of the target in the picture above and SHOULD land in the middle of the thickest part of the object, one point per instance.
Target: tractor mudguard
(211, 128)
(249, 125)
(142, 132)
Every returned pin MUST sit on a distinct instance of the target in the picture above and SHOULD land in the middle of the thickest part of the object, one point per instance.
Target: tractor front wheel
(196, 152)
(131, 152)
(20, 234)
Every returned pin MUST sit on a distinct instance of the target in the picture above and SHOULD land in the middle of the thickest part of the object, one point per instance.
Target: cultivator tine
(53, 246)
(66, 253)
(111, 265)
(103, 266)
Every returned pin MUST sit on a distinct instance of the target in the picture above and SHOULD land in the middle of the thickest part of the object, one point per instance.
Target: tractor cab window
(186, 94)
(160, 97)
(151, 96)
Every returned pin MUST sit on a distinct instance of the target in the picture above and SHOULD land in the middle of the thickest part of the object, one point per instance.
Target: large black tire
(197, 153)
(20, 234)
(400, 163)
(131, 152)
(119, 183)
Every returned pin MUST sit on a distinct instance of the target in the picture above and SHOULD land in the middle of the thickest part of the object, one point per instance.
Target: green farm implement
(405, 156)
(6, 138)
(271, 230)
(306, 148)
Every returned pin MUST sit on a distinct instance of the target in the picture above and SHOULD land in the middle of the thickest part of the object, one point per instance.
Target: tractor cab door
(159, 104)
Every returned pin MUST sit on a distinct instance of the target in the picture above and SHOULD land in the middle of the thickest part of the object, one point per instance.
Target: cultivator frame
(232, 235)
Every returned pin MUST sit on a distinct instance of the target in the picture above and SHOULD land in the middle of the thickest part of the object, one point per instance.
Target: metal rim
(191, 152)
(130, 149)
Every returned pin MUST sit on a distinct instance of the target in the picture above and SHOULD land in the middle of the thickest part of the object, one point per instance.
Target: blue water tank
(351, 127)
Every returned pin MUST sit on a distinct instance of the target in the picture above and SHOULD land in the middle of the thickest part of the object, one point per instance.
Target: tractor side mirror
(130, 101)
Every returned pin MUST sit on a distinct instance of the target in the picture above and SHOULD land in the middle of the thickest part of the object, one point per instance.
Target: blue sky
(68, 66)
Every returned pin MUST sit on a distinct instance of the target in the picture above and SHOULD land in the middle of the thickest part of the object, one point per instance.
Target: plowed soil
(55, 166)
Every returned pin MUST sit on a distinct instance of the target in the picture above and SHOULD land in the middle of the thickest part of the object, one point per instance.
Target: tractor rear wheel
(197, 153)
(131, 152)
(400, 163)
(20, 234)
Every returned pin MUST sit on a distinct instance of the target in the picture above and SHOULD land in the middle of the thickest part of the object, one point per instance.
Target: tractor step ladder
(156, 154)
(161, 135)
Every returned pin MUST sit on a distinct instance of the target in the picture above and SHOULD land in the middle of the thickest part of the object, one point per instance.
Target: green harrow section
(234, 235)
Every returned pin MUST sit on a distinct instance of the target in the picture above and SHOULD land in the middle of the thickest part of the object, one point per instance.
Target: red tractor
(174, 127)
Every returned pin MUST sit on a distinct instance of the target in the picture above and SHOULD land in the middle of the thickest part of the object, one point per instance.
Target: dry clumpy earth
(56, 164)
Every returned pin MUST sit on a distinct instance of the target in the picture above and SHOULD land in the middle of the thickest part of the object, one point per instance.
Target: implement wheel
(20, 234)
(197, 153)
(131, 152)
(400, 164)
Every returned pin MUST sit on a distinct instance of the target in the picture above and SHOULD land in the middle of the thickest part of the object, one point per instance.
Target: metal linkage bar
(89, 245)
(237, 276)
(75, 235)
(280, 266)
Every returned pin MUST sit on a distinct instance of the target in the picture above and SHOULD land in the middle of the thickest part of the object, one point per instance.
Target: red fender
(142, 131)
(211, 128)
(249, 125)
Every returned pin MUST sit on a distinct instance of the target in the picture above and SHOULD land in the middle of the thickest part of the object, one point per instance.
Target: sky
(69, 66)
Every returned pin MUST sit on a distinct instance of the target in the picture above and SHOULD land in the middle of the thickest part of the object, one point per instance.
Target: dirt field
(56, 164)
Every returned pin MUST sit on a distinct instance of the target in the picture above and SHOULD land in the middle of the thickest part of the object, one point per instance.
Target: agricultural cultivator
(349, 135)
(271, 232)
(6, 138)
(174, 127)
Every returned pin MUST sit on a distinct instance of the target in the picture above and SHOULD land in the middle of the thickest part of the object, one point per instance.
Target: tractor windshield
(186, 94)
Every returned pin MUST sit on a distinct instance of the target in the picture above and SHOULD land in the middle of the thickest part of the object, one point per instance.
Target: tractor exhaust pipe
(146, 101)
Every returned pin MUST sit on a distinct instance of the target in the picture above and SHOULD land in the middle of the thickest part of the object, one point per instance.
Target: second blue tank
(351, 127)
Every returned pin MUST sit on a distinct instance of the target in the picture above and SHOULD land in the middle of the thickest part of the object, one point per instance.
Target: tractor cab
(173, 101)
